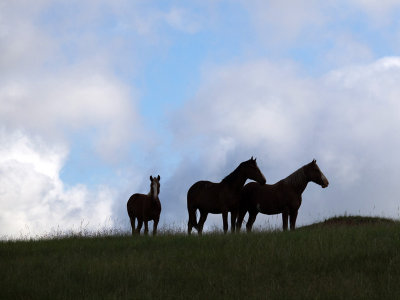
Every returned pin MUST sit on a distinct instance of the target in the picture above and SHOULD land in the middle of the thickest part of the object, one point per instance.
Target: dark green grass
(322, 262)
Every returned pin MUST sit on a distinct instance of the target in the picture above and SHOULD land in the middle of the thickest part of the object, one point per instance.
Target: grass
(318, 262)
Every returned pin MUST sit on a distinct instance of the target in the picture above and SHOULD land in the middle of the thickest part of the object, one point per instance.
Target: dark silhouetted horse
(220, 198)
(282, 197)
(145, 208)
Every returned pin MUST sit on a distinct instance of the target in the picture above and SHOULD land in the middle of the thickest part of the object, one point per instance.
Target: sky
(96, 96)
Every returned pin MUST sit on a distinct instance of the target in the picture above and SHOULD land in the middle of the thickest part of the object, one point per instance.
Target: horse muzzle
(325, 184)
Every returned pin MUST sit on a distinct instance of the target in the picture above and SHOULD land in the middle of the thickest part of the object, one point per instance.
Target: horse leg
(293, 217)
(225, 221)
(250, 221)
(133, 224)
(155, 223)
(240, 220)
(146, 227)
(234, 214)
(285, 220)
(139, 225)
(203, 217)
(189, 228)
(192, 220)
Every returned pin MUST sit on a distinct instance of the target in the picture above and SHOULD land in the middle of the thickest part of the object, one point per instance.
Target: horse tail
(131, 213)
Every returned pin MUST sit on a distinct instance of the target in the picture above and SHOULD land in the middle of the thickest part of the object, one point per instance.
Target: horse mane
(297, 178)
(231, 177)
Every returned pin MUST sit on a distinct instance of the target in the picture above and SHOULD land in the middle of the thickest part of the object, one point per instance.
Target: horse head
(315, 175)
(252, 171)
(154, 186)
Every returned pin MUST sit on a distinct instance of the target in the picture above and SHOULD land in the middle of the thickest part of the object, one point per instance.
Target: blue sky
(98, 95)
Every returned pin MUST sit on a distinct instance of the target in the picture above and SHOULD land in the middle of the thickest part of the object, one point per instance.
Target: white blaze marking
(154, 188)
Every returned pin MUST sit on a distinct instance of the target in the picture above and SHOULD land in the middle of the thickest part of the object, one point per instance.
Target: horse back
(266, 198)
(144, 207)
(209, 196)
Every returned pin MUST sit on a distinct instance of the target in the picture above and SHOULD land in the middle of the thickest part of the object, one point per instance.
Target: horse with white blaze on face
(145, 208)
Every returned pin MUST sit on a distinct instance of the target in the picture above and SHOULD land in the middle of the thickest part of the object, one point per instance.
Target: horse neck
(152, 196)
(153, 200)
(298, 180)
(235, 180)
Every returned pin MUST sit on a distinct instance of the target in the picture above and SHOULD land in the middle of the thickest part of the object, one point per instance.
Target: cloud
(252, 103)
(35, 201)
(182, 20)
(381, 11)
(73, 101)
(22, 44)
(346, 119)
(287, 22)
(347, 50)
(278, 21)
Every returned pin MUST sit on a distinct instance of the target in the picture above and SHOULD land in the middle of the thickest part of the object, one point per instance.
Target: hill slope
(351, 220)
(327, 262)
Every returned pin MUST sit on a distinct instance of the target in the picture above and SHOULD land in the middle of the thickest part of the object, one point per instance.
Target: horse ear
(314, 161)
(158, 177)
(251, 158)
(151, 178)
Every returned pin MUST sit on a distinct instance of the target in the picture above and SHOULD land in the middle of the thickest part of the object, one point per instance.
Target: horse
(282, 197)
(222, 197)
(145, 208)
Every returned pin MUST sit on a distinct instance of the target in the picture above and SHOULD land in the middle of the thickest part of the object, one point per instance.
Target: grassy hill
(315, 262)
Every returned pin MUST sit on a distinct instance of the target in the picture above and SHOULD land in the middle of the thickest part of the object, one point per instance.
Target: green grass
(320, 262)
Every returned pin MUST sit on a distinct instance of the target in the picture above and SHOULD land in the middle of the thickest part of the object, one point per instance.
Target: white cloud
(183, 20)
(283, 21)
(72, 102)
(347, 50)
(378, 10)
(35, 201)
(255, 102)
(22, 44)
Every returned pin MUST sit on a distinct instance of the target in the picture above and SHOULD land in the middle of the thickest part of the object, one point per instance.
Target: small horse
(223, 197)
(282, 197)
(145, 208)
